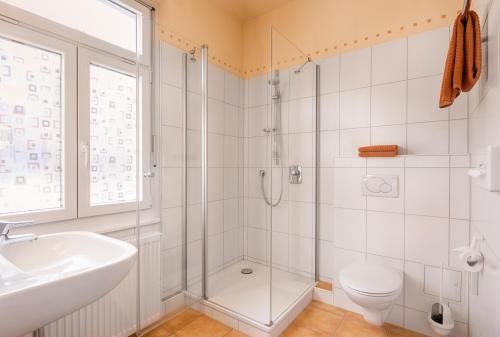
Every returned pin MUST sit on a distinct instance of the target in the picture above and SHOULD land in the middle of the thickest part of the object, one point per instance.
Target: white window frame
(22, 25)
(69, 105)
(86, 58)
(38, 22)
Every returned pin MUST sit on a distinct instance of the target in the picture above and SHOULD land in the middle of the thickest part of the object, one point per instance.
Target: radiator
(114, 315)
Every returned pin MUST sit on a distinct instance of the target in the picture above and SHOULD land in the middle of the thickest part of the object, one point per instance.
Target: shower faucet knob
(295, 174)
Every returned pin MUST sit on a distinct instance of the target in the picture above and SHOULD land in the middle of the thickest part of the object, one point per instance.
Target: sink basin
(45, 279)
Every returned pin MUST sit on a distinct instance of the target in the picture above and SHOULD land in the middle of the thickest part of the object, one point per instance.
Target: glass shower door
(181, 202)
(193, 235)
(292, 156)
(237, 232)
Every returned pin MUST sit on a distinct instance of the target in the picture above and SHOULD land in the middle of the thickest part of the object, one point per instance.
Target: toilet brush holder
(440, 319)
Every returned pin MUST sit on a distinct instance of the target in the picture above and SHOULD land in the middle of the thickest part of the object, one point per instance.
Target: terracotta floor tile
(181, 320)
(396, 331)
(204, 327)
(352, 316)
(159, 332)
(235, 333)
(355, 328)
(391, 334)
(299, 331)
(327, 307)
(324, 285)
(318, 320)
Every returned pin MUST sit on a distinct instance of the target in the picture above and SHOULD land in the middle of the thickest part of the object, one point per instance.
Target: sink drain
(246, 271)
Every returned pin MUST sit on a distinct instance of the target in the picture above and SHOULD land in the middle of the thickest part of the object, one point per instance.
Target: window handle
(84, 147)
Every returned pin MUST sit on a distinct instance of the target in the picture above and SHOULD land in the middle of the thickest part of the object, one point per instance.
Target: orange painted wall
(319, 27)
(189, 23)
(324, 27)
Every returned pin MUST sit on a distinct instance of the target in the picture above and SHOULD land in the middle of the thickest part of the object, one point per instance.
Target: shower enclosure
(247, 166)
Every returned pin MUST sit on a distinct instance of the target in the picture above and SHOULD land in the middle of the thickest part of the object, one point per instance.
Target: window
(108, 129)
(37, 111)
(74, 122)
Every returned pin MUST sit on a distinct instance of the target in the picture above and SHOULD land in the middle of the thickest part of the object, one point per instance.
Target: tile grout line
(404, 184)
(366, 161)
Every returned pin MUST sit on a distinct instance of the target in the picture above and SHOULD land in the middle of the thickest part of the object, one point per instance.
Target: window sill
(123, 227)
(102, 225)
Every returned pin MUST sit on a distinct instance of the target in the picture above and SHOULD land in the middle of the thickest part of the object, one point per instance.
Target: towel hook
(465, 9)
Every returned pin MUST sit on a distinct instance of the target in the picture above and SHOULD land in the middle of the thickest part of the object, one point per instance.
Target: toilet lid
(371, 279)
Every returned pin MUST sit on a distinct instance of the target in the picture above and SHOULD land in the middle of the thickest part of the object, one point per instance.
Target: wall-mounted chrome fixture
(192, 54)
(295, 174)
(297, 71)
(276, 138)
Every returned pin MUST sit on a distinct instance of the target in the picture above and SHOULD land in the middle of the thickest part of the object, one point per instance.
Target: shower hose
(263, 190)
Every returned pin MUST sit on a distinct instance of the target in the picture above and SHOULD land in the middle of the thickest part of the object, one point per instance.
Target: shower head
(297, 71)
(192, 54)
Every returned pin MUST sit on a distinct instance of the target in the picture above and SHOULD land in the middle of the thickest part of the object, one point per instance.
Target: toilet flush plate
(386, 186)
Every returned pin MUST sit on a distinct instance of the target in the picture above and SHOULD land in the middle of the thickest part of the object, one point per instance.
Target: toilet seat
(371, 280)
(373, 287)
(371, 294)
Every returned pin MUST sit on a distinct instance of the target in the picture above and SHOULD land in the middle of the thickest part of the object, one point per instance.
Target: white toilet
(373, 287)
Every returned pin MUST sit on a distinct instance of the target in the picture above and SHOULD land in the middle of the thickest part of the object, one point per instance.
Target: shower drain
(246, 271)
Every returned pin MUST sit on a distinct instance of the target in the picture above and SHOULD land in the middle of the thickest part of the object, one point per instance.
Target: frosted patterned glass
(113, 136)
(31, 127)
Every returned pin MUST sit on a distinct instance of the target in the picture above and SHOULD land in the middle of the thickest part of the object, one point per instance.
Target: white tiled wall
(225, 225)
(292, 222)
(388, 94)
(485, 216)
(384, 94)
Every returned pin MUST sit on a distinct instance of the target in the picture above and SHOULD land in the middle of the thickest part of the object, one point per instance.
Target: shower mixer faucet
(295, 174)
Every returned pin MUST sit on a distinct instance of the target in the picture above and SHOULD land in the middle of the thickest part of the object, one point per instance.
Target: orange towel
(463, 62)
(473, 55)
(379, 148)
(379, 154)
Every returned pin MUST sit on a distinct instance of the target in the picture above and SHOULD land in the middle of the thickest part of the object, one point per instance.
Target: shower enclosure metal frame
(204, 167)
(317, 106)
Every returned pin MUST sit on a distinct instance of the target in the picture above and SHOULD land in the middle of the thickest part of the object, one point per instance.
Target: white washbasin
(45, 279)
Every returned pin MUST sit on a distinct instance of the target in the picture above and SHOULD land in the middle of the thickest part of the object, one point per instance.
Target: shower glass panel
(291, 134)
(181, 162)
(237, 278)
(276, 175)
(193, 233)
